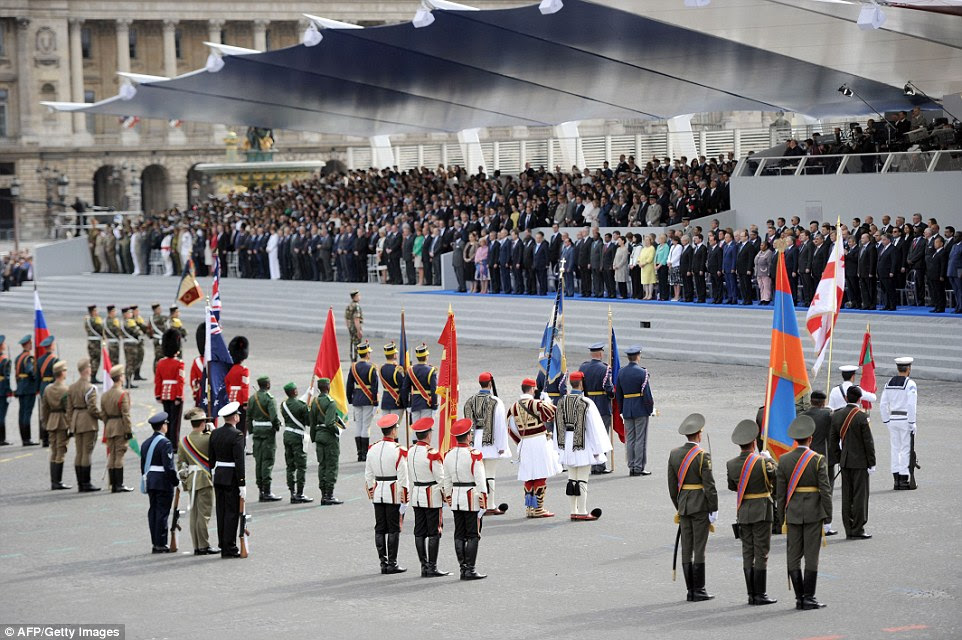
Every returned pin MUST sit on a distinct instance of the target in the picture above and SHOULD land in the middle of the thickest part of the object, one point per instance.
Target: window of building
(86, 43)
(132, 42)
(4, 95)
(90, 119)
(177, 50)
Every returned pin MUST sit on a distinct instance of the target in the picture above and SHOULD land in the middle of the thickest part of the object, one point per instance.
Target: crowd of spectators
(15, 268)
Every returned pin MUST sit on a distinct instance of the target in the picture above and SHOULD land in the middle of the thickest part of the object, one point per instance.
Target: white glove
(765, 454)
(912, 428)
(403, 508)
(713, 517)
(871, 470)
(243, 493)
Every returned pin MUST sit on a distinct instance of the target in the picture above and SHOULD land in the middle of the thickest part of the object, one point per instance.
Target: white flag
(823, 311)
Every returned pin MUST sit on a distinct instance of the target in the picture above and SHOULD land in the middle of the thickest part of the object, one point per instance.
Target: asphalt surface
(313, 571)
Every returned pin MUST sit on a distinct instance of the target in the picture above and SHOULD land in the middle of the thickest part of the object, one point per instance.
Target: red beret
(422, 425)
(387, 421)
(528, 382)
(577, 375)
(461, 427)
(485, 377)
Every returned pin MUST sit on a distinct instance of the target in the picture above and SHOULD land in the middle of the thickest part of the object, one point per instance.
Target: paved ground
(66, 557)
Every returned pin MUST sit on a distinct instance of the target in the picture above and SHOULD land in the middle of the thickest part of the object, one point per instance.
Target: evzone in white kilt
(487, 413)
(581, 441)
(537, 458)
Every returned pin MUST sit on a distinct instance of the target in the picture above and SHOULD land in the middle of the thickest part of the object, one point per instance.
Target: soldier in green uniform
(45, 377)
(806, 495)
(157, 325)
(130, 333)
(114, 335)
(294, 412)
(144, 331)
(692, 490)
(94, 329)
(263, 424)
(326, 428)
(750, 475)
(355, 322)
(851, 443)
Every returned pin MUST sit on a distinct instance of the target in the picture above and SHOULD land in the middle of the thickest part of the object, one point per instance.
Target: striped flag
(215, 291)
(448, 386)
(552, 342)
(823, 312)
(40, 331)
(328, 365)
(108, 382)
(867, 361)
(788, 376)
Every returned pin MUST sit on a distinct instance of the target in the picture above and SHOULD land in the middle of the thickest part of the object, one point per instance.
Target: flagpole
(768, 409)
(407, 413)
(207, 310)
(611, 355)
(834, 319)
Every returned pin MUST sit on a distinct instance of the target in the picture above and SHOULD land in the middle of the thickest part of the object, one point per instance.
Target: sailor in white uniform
(836, 399)
(899, 399)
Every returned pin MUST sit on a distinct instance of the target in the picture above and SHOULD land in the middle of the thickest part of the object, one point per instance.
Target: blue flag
(218, 362)
(552, 342)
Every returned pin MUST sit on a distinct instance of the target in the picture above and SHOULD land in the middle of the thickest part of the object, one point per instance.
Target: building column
(77, 74)
(569, 139)
(214, 28)
(170, 48)
(123, 44)
(25, 87)
(217, 131)
(260, 34)
(382, 156)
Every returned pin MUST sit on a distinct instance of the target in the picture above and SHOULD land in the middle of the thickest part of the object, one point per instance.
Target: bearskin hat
(238, 348)
(170, 343)
(201, 337)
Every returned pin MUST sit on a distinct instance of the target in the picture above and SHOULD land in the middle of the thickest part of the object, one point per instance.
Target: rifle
(913, 463)
(243, 530)
(175, 523)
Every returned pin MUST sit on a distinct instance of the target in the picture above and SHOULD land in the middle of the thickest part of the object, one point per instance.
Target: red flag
(107, 381)
(328, 365)
(40, 331)
(448, 383)
(867, 361)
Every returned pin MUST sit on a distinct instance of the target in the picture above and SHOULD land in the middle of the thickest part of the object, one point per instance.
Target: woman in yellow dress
(647, 261)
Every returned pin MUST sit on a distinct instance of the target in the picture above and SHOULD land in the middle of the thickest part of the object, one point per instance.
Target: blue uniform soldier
(637, 405)
(160, 480)
(599, 389)
(423, 385)
(25, 373)
(394, 381)
(362, 393)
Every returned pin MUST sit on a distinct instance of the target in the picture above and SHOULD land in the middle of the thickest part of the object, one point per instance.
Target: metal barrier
(887, 162)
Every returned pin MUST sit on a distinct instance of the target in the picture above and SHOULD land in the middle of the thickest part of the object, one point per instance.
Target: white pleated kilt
(580, 458)
(537, 459)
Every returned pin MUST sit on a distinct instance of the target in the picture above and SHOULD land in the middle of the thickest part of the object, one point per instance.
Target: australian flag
(215, 291)
(218, 362)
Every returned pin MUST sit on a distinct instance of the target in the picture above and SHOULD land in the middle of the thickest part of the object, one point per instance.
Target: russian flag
(788, 377)
(40, 332)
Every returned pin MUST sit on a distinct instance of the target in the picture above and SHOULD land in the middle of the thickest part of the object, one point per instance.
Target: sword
(674, 557)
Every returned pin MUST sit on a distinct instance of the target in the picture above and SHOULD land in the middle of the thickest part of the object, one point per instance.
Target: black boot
(365, 443)
(750, 583)
(459, 552)
(357, 444)
(79, 472)
(267, 495)
(419, 544)
(301, 498)
(761, 586)
(434, 542)
(686, 571)
(381, 543)
(808, 595)
(796, 578)
(25, 436)
(56, 477)
(118, 485)
(293, 494)
(393, 542)
(898, 482)
(906, 485)
(698, 593)
(470, 557)
(88, 487)
(328, 498)
(45, 438)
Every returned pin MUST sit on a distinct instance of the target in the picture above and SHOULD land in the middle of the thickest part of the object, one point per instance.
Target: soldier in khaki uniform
(115, 408)
(144, 331)
(157, 325)
(83, 416)
(692, 490)
(174, 321)
(805, 492)
(750, 475)
(53, 417)
(94, 329)
(130, 333)
(354, 318)
(263, 424)
(193, 467)
(114, 335)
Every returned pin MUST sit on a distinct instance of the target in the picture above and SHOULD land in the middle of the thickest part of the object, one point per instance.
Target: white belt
(169, 382)
(92, 338)
(261, 423)
(293, 430)
(219, 463)
(898, 418)
(194, 468)
(155, 467)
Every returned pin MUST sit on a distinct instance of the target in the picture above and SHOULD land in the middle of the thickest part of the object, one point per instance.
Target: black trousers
(495, 277)
(663, 289)
(467, 526)
(173, 409)
(808, 287)
(889, 298)
(920, 286)
(687, 287)
(160, 502)
(867, 287)
(585, 275)
(745, 285)
(541, 275)
(227, 502)
(937, 291)
(637, 291)
(699, 287)
(506, 278)
(427, 522)
(598, 283)
(387, 518)
(411, 273)
(855, 490)
(530, 277)
(853, 295)
(718, 288)
(610, 289)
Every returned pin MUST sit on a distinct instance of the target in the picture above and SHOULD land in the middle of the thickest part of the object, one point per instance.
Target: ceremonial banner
(823, 312)
(447, 383)
(106, 384)
(402, 347)
(189, 291)
(614, 367)
(215, 292)
(40, 331)
(867, 361)
(552, 341)
(788, 377)
(328, 365)
(218, 361)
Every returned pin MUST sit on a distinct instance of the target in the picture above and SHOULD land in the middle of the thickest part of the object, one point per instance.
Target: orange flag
(448, 383)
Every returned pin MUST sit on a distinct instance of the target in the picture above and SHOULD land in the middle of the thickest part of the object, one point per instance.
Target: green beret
(263, 379)
(290, 386)
(324, 381)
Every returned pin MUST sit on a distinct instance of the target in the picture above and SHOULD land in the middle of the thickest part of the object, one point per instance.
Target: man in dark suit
(790, 256)
(597, 275)
(744, 266)
(915, 261)
(540, 260)
(458, 264)
(227, 468)
(506, 266)
(820, 257)
(527, 263)
(853, 295)
(393, 247)
(699, 267)
(936, 269)
(806, 253)
(714, 268)
(729, 253)
(517, 260)
(554, 247)
(583, 253)
(608, 266)
(494, 262)
(568, 254)
(427, 255)
(867, 264)
(886, 272)
(687, 265)
(407, 254)
(851, 443)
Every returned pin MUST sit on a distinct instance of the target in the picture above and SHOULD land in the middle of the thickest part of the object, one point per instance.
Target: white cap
(904, 360)
(229, 409)
(848, 368)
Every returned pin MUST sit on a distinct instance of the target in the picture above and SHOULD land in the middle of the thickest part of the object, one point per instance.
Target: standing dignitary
(692, 490)
(836, 397)
(426, 475)
(193, 465)
(822, 416)
(45, 377)
(227, 462)
(464, 488)
(637, 405)
(354, 317)
(326, 428)
(599, 389)
(263, 425)
(5, 389)
(238, 380)
(169, 383)
(394, 381)
(83, 414)
(898, 413)
(53, 419)
(805, 497)
(26, 390)
(118, 429)
(528, 420)
(94, 330)
(851, 443)
(750, 475)
(160, 479)
(294, 411)
(486, 411)
(386, 481)
(423, 383)
(362, 389)
(581, 440)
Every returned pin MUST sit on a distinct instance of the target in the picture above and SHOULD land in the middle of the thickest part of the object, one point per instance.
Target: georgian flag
(823, 312)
